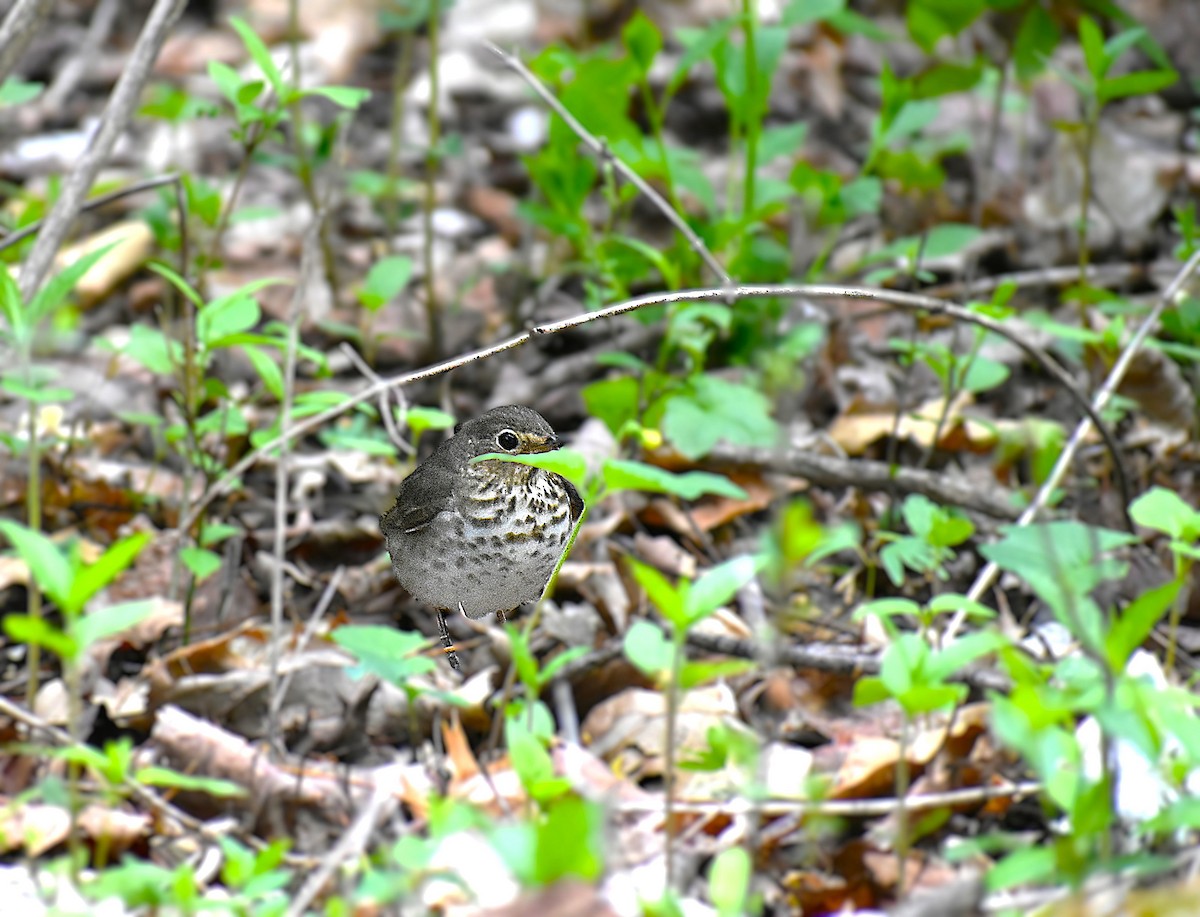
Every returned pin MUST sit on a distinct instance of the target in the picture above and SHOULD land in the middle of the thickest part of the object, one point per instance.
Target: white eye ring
(508, 441)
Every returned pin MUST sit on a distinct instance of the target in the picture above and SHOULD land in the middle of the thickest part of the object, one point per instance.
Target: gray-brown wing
(422, 495)
(575, 501)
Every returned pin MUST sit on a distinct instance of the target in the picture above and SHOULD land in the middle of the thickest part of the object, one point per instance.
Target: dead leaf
(131, 243)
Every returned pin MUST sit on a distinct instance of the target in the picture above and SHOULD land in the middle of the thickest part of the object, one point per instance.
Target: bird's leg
(500, 617)
(447, 642)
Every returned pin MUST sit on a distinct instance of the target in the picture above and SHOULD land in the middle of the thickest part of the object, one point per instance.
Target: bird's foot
(447, 641)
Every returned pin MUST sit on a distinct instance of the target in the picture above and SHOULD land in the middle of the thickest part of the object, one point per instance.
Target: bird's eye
(508, 440)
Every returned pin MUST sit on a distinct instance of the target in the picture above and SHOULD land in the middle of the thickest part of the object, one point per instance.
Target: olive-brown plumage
(482, 537)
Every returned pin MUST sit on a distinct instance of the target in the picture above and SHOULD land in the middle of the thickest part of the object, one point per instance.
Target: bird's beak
(544, 443)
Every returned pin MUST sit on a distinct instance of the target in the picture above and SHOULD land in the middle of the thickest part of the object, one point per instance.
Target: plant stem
(33, 513)
(304, 162)
(754, 113)
(432, 312)
(679, 639)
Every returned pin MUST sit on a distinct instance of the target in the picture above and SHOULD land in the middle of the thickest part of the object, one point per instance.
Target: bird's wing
(575, 501)
(422, 495)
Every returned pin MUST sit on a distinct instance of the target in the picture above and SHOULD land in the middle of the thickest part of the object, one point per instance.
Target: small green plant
(683, 604)
(917, 676)
(386, 279)
(1095, 88)
(22, 325)
(1064, 563)
(933, 532)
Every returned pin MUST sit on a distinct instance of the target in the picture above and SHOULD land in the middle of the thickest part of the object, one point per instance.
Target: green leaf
(1144, 82)
(35, 394)
(259, 53)
(153, 350)
(55, 291)
(200, 561)
(701, 673)
(951, 604)
(718, 585)
(420, 419)
(710, 409)
(664, 595)
(1123, 41)
(170, 779)
(226, 80)
(559, 662)
(1134, 624)
(523, 658)
(931, 20)
(648, 648)
(947, 239)
(729, 881)
(570, 842)
(50, 568)
(15, 91)
(887, 608)
(109, 621)
(216, 532)
(698, 44)
(643, 41)
(870, 690)
(1091, 39)
(90, 579)
(268, 370)
(532, 762)
(385, 280)
(226, 316)
(1165, 511)
(1037, 37)
(781, 140)
(800, 12)
(12, 307)
(386, 652)
(567, 462)
(178, 282)
(621, 474)
(947, 78)
(849, 22)
(1029, 866)
(40, 632)
(613, 401)
(961, 653)
(348, 97)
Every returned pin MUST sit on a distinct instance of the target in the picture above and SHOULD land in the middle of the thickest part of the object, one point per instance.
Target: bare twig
(379, 806)
(601, 151)
(116, 116)
(836, 808)
(833, 471)
(139, 791)
(96, 203)
(77, 64)
(911, 301)
(20, 26)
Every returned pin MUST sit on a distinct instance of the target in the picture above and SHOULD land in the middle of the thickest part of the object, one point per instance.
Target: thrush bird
(481, 537)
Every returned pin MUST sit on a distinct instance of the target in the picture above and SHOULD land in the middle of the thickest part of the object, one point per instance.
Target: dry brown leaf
(869, 767)
(131, 243)
(37, 828)
(629, 730)
(855, 432)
